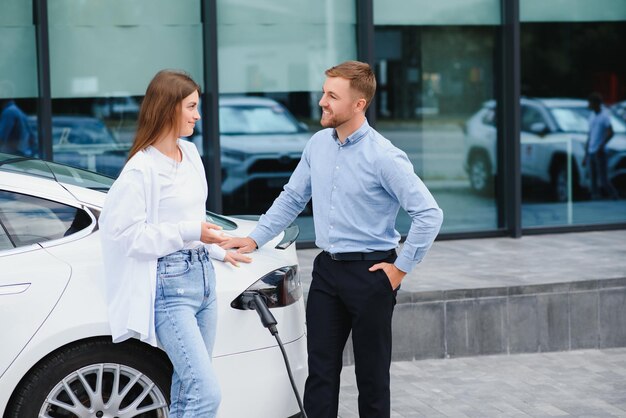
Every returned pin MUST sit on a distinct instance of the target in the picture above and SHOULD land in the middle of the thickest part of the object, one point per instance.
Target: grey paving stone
(523, 324)
(553, 317)
(570, 383)
(584, 326)
(612, 317)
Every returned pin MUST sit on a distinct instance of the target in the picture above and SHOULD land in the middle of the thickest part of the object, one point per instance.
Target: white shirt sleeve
(124, 221)
(216, 252)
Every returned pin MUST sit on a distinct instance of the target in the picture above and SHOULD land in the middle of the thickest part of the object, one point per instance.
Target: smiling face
(189, 114)
(340, 103)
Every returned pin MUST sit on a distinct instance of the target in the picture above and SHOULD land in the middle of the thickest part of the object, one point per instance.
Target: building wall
(440, 77)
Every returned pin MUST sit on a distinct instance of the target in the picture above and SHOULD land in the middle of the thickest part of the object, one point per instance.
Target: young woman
(156, 245)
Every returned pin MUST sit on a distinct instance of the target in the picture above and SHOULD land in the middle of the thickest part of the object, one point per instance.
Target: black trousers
(345, 296)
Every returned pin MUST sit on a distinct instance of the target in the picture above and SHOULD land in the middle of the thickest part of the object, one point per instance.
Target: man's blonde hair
(361, 78)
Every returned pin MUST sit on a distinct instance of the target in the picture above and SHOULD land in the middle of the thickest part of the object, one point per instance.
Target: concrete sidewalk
(561, 297)
(497, 262)
(536, 294)
(585, 383)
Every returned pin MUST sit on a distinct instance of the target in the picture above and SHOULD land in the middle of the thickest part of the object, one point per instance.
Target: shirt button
(337, 168)
(332, 246)
(331, 227)
(332, 208)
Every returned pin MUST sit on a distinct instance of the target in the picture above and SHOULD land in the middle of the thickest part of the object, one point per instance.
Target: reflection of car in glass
(261, 144)
(56, 356)
(85, 142)
(548, 128)
(620, 109)
(117, 107)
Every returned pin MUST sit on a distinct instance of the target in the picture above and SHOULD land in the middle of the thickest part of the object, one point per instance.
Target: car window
(226, 224)
(30, 220)
(54, 171)
(24, 165)
(530, 115)
(618, 125)
(82, 178)
(5, 242)
(255, 120)
(584, 113)
(572, 119)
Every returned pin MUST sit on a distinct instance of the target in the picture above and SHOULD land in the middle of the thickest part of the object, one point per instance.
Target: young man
(600, 133)
(358, 180)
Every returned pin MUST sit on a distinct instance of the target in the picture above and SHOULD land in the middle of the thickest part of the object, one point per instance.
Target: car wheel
(96, 379)
(559, 183)
(480, 175)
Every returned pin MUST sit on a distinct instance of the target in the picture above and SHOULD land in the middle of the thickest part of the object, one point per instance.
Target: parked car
(117, 106)
(548, 127)
(261, 144)
(620, 109)
(85, 142)
(56, 356)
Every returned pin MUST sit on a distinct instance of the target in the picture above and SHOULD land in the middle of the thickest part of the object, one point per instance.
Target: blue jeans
(185, 312)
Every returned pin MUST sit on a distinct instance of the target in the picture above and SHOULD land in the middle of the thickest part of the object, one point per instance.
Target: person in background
(358, 181)
(156, 245)
(600, 133)
(16, 136)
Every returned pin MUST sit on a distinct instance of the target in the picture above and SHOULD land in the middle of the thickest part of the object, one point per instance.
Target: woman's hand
(210, 234)
(234, 258)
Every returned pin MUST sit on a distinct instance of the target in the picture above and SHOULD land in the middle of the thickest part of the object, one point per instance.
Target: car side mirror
(539, 128)
(303, 126)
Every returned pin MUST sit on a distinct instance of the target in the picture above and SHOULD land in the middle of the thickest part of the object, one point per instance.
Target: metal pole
(44, 108)
(210, 107)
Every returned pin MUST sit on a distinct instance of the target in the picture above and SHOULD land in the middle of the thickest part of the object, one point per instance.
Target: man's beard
(331, 121)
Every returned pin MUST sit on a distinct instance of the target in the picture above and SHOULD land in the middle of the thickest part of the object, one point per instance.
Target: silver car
(261, 145)
(553, 131)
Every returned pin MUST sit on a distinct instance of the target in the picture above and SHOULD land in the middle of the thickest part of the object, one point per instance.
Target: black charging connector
(256, 301)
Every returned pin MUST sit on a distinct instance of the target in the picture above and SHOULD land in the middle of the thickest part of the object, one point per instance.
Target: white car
(548, 128)
(57, 358)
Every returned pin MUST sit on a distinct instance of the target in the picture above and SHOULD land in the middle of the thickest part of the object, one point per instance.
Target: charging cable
(256, 301)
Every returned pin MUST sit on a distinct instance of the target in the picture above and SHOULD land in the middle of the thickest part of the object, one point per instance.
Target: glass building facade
(488, 98)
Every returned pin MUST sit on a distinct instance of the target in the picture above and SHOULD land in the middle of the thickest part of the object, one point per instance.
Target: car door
(31, 280)
(532, 147)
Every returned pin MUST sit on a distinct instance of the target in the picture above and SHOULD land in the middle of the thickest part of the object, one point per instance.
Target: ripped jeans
(185, 312)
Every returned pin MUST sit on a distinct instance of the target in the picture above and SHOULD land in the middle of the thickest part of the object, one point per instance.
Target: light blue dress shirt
(357, 189)
(599, 124)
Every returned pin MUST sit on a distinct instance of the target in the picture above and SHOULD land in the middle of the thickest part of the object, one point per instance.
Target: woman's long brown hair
(160, 109)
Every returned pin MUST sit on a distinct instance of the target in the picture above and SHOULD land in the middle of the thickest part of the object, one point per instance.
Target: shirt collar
(355, 137)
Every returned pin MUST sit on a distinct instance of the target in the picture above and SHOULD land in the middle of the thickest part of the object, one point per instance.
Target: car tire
(559, 183)
(480, 174)
(90, 370)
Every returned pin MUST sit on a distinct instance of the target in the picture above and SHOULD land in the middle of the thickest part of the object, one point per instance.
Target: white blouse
(134, 236)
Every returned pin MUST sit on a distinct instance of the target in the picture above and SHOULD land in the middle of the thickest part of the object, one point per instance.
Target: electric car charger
(256, 301)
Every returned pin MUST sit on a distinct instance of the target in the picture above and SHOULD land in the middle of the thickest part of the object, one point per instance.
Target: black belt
(371, 256)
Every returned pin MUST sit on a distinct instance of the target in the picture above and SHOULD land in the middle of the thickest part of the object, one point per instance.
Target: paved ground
(497, 262)
(587, 383)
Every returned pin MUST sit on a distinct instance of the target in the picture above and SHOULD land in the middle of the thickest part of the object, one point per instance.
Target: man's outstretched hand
(243, 245)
